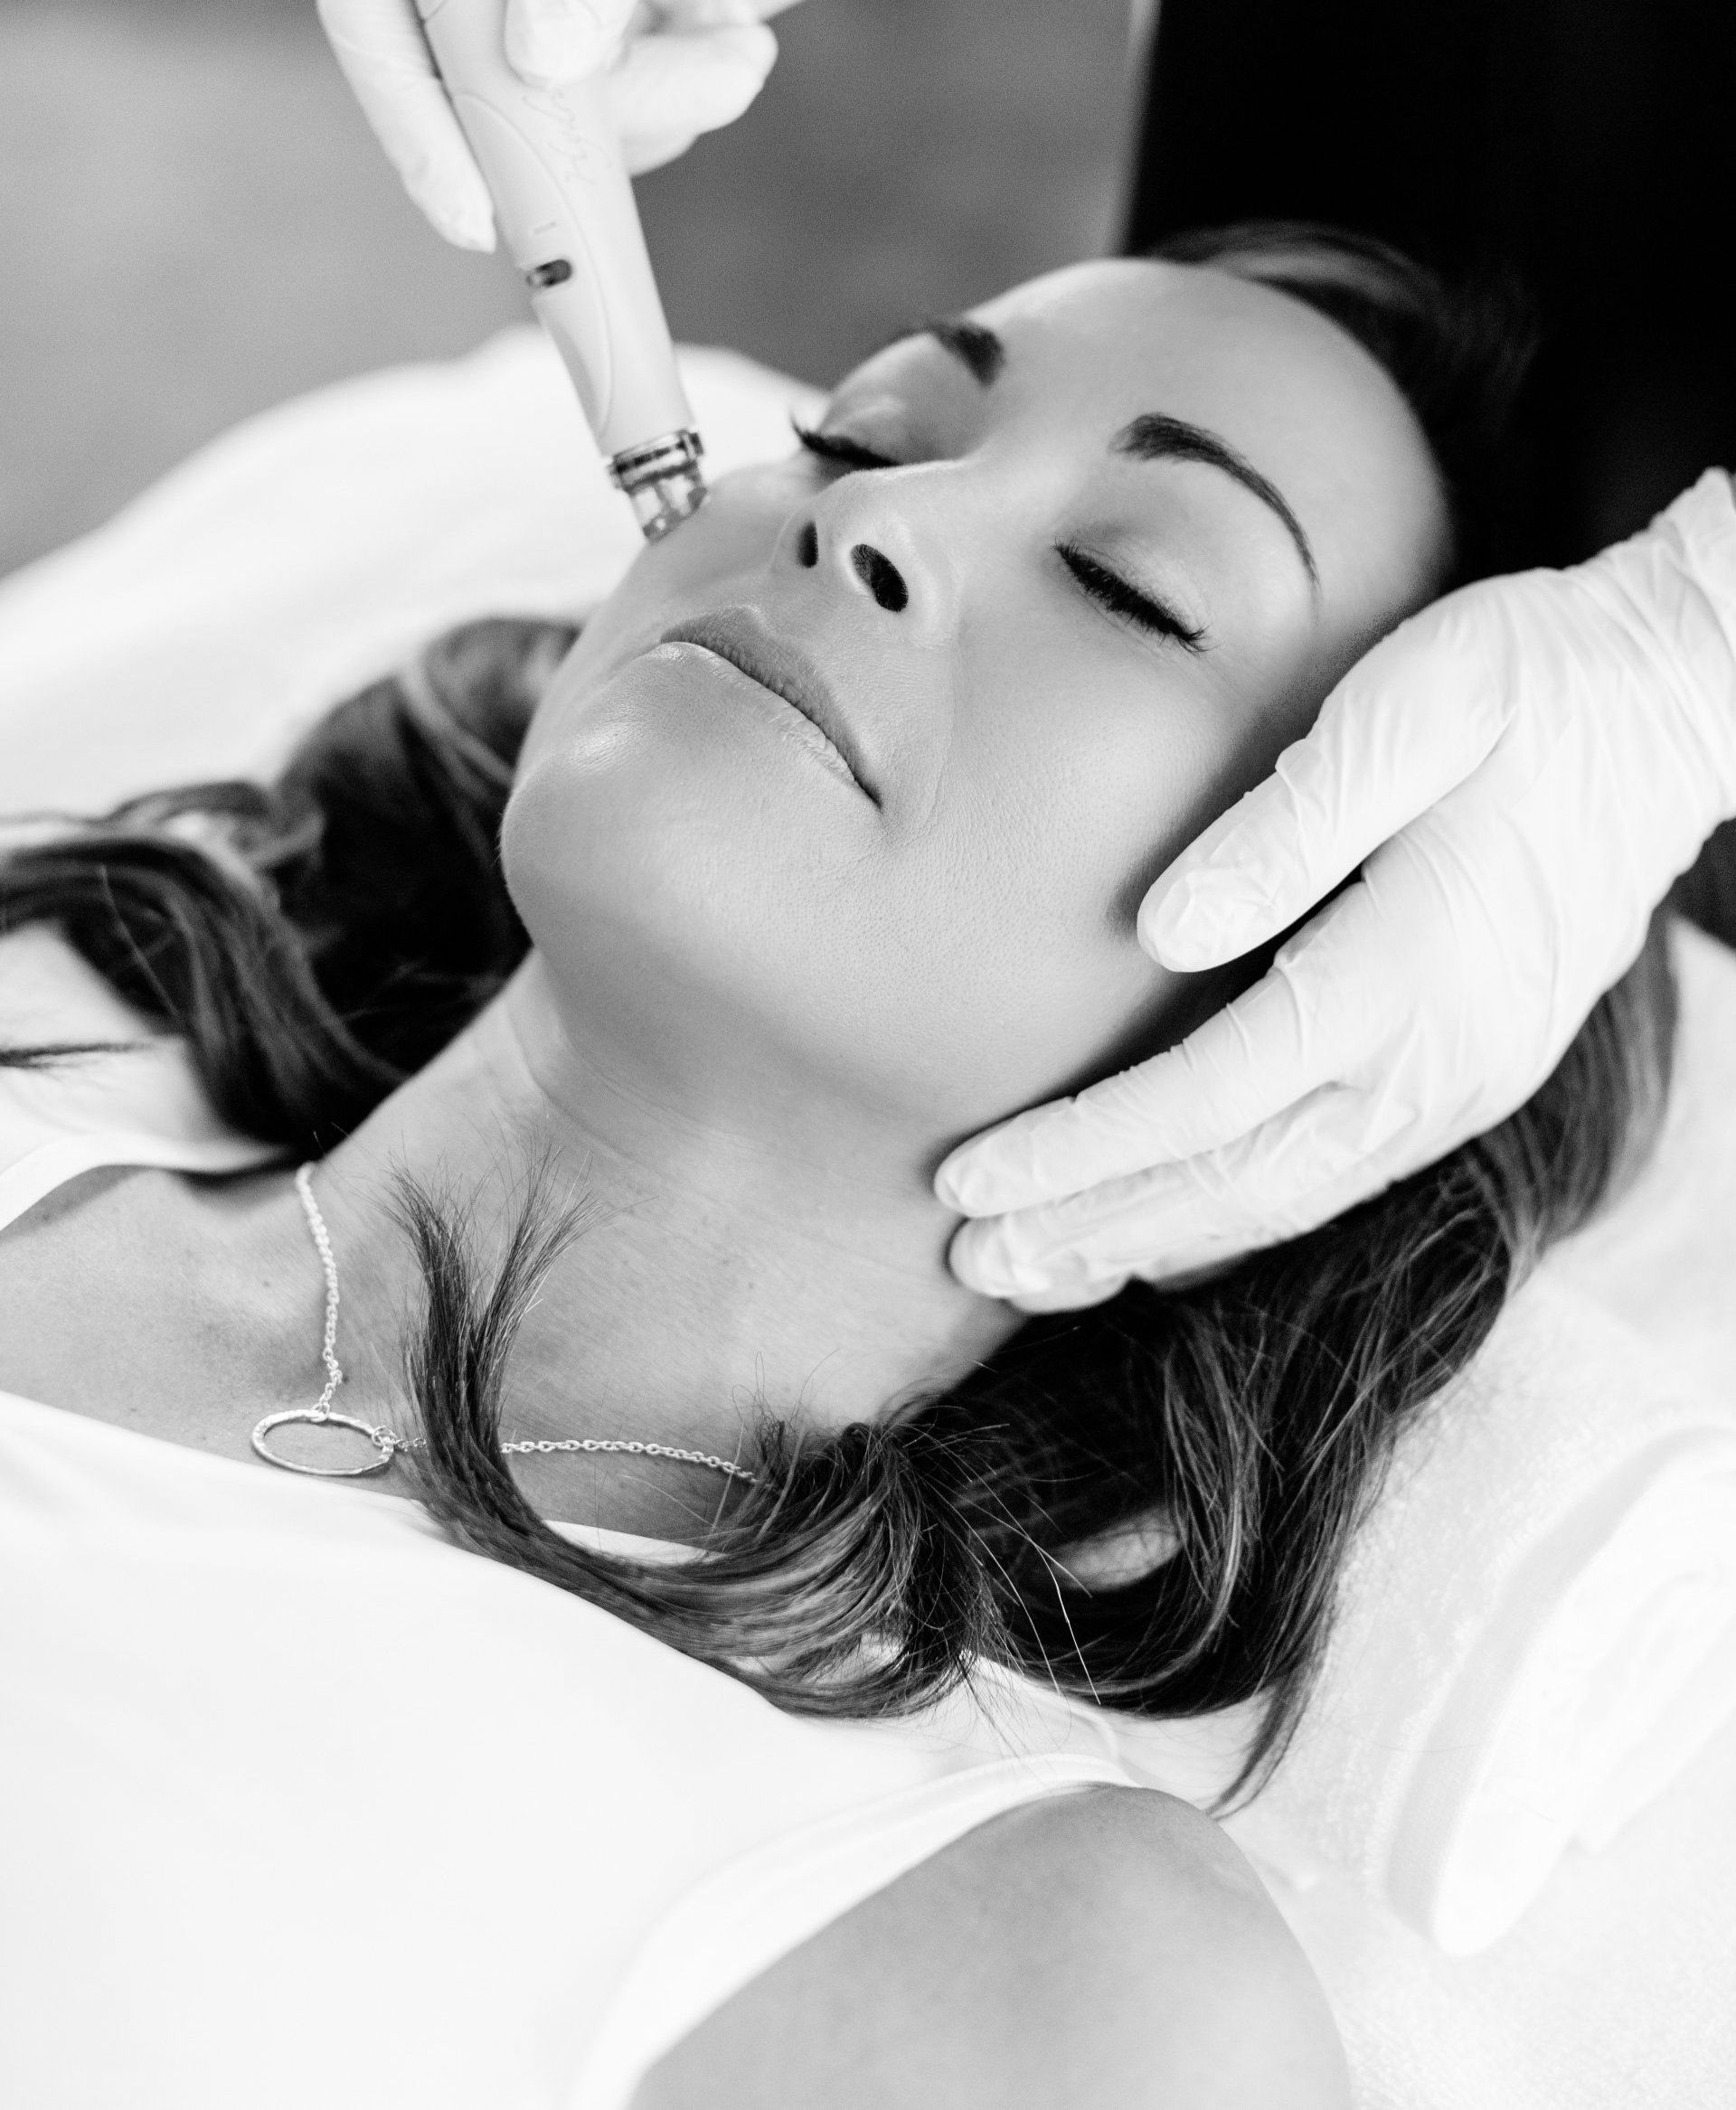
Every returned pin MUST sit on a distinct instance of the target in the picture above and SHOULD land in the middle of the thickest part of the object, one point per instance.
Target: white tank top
(300, 1803)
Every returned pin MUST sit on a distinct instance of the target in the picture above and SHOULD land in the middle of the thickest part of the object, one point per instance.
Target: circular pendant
(382, 1440)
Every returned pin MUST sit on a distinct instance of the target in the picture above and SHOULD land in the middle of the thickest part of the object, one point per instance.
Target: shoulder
(1108, 1946)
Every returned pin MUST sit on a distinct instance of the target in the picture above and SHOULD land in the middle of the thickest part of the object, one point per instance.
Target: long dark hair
(316, 940)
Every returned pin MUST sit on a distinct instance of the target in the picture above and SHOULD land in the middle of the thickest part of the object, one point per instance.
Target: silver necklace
(387, 1442)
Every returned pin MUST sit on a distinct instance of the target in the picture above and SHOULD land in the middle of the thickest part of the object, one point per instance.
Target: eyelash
(1111, 591)
(1107, 587)
(842, 452)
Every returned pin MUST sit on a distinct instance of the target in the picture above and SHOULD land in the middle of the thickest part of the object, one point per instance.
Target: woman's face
(1065, 577)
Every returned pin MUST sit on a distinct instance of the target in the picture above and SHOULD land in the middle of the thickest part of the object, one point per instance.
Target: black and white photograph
(867, 1055)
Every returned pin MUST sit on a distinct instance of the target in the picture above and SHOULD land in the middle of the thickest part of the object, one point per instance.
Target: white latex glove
(1522, 770)
(675, 69)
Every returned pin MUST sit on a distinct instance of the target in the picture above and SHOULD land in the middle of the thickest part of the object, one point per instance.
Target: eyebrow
(1153, 438)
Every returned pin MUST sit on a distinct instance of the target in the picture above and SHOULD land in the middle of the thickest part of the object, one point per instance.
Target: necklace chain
(387, 1441)
(328, 1264)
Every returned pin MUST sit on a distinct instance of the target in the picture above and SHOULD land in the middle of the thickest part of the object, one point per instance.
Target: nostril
(881, 577)
(807, 546)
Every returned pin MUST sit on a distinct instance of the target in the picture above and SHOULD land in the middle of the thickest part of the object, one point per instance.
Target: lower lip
(793, 726)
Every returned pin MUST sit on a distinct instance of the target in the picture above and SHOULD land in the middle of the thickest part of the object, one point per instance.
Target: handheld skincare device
(564, 207)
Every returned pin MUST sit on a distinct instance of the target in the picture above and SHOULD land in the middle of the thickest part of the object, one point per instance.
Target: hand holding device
(668, 70)
(1521, 770)
(509, 101)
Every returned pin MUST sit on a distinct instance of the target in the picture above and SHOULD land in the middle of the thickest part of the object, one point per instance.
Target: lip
(740, 637)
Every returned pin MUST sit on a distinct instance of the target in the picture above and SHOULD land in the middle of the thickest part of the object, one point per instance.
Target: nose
(875, 548)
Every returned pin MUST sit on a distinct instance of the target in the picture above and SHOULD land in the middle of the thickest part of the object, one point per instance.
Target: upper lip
(741, 636)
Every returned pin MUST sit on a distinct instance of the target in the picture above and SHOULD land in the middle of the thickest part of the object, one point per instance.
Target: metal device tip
(663, 479)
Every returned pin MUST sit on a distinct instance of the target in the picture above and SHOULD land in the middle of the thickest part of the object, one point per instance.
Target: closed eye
(841, 452)
(1111, 591)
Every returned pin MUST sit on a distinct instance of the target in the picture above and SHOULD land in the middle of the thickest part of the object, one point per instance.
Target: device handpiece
(564, 207)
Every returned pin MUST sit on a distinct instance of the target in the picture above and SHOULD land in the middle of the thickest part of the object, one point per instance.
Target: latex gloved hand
(1521, 770)
(673, 68)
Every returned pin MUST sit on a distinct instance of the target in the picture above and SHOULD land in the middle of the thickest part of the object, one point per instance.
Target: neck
(740, 1250)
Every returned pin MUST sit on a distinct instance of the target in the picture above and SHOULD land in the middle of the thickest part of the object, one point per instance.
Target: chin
(681, 882)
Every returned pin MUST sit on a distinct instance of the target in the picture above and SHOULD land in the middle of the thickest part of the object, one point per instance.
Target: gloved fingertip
(749, 47)
(460, 213)
(955, 1188)
(1073, 1297)
(962, 1181)
(703, 15)
(472, 227)
(1162, 927)
(985, 1258)
(1201, 921)
(547, 46)
(977, 1258)
(640, 157)
(973, 1183)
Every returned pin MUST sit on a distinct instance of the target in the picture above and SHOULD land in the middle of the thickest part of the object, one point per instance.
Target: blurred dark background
(1589, 142)
(195, 224)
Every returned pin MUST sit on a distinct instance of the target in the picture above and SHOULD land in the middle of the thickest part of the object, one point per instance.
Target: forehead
(1095, 345)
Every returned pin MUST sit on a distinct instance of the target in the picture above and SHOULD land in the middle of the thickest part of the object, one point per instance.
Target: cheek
(1076, 771)
(1070, 781)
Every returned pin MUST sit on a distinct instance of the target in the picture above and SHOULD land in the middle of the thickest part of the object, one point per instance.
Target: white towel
(1537, 1624)
(1538, 1629)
